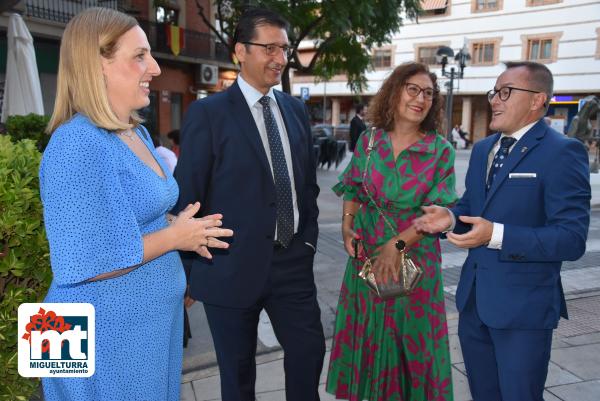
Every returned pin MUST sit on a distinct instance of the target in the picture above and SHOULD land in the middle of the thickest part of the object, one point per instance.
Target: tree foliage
(342, 31)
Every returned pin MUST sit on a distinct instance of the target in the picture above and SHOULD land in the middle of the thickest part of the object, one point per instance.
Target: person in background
(168, 156)
(248, 151)
(174, 137)
(357, 125)
(526, 209)
(397, 349)
(106, 194)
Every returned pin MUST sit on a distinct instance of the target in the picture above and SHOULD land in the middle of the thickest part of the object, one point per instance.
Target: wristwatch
(400, 245)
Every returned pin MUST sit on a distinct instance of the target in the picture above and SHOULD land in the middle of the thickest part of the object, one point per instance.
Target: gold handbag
(409, 273)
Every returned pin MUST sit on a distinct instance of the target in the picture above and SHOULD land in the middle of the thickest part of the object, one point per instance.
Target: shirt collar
(518, 134)
(250, 93)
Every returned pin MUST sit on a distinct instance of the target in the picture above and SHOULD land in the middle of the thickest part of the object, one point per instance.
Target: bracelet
(347, 214)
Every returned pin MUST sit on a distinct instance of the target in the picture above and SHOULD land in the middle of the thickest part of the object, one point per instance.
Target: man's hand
(435, 220)
(480, 233)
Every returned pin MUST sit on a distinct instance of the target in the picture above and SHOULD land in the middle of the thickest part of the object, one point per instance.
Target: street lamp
(442, 55)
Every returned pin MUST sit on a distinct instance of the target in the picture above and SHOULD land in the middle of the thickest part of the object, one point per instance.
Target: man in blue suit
(526, 209)
(247, 153)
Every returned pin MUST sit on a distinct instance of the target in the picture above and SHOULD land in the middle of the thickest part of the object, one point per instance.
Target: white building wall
(576, 70)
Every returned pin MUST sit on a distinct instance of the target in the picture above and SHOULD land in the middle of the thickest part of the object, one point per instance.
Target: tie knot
(507, 142)
(264, 101)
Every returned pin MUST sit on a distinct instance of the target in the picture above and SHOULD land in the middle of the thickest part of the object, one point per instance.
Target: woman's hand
(198, 235)
(349, 236)
(386, 262)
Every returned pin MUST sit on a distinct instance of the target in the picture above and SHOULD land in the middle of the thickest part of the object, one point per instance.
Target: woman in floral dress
(397, 349)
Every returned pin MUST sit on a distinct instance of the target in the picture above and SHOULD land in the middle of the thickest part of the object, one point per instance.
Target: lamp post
(442, 55)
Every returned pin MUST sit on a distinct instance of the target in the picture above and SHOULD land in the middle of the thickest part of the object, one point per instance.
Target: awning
(430, 5)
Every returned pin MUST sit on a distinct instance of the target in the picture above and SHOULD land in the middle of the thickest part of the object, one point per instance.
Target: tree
(343, 31)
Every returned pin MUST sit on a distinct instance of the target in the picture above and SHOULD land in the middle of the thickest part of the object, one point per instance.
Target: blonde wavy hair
(90, 35)
(384, 105)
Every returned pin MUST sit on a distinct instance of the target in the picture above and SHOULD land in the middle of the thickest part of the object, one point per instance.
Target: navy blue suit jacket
(224, 166)
(546, 220)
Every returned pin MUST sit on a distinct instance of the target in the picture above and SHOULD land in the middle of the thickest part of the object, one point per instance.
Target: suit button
(475, 267)
(269, 237)
(272, 204)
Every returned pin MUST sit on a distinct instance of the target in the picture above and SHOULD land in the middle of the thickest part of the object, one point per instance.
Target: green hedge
(31, 126)
(25, 273)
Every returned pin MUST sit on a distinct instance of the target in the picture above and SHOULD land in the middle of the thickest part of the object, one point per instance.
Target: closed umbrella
(22, 91)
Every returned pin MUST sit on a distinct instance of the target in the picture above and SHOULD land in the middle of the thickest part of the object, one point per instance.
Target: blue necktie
(283, 186)
(499, 159)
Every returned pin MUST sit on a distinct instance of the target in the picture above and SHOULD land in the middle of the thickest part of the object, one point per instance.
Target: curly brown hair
(383, 107)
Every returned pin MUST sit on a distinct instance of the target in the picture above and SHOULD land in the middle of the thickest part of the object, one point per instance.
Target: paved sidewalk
(574, 373)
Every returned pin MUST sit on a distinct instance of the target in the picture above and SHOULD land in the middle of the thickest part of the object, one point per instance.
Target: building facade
(563, 34)
(193, 62)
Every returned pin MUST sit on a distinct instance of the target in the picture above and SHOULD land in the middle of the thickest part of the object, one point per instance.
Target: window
(533, 3)
(434, 8)
(598, 43)
(541, 48)
(382, 58)
(485, 52)
(426, 54)
(167, 12)
(485, 5)
(176, 110)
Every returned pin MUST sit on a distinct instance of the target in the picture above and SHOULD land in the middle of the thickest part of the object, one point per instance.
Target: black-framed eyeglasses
(271, 48)
(505, 91)
(413, 90)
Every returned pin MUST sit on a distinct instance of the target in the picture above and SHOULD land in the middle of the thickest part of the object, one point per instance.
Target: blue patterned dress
(99, 200)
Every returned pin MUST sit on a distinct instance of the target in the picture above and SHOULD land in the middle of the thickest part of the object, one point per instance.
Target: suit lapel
(293, 132)
(521, 149)
(242, 115)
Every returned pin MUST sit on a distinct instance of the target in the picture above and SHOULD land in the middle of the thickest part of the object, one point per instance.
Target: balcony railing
(196, 44)
(64, 10)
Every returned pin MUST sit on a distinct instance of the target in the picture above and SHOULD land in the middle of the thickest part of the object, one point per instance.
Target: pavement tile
(455, 351)
(551, 397)
(560, 343)
(582, 361)
(585, 391)
(558, 376)
(207, 389)
(187, 392)
(460, 386)
(593, 338)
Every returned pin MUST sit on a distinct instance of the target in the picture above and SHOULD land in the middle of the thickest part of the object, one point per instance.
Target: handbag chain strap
(369, 150)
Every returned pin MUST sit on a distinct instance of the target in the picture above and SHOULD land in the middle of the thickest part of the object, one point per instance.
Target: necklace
(127, 133)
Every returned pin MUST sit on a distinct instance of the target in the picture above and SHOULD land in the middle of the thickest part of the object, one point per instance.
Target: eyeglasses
(505, 91)
(413, 90)
(271, 48)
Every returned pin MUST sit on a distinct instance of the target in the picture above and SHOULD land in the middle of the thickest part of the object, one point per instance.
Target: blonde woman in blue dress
(106, 194)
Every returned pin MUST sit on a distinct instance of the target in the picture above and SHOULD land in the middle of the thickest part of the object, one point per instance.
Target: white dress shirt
(252, 97)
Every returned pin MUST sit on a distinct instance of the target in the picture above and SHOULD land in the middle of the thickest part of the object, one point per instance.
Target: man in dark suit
(247, 152)
(526, 209)
(357, 125)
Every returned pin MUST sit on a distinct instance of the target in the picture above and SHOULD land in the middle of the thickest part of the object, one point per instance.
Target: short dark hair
(174, 136)
(539, 75)
(383, 106)
(253, 17)
(359, 108)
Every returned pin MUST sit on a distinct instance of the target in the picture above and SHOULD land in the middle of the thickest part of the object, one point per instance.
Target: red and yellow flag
(175, 38)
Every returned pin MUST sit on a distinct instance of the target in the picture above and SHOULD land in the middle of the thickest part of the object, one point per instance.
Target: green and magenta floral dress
(394, 350)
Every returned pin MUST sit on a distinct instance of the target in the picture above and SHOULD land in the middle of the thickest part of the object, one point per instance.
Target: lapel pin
(524, 149)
